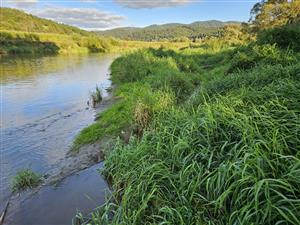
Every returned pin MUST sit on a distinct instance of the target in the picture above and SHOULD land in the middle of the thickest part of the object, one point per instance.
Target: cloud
(21, 3)
(149, 4)
(89, 1)
(85, 18)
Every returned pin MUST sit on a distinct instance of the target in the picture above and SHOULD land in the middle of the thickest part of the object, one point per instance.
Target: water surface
(58, 205)
(43, 107)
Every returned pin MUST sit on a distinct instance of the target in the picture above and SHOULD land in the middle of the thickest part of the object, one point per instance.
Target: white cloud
(21, 3)
(85, 18)
(138, 4)
(89, 1)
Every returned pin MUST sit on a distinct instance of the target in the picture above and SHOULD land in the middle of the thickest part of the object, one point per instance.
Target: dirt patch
(87, 156)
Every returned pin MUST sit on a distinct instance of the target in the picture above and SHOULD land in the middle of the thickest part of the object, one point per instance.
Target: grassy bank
(16, 42)
(215, 136)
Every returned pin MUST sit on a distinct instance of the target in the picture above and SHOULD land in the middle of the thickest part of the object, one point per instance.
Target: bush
(284, 37)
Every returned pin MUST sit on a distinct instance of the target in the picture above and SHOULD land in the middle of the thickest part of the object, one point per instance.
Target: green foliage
(284, 37)
(156, 68)
(248, 57)
(273, 13)
(223, 151)
(231, 159)
(214, 134)
(21, 33)
(14, 42)
(17, 20)
(123, 114)
(235, 33)
(96, 96)
(110, 124)
(25, 179)
(173, 32)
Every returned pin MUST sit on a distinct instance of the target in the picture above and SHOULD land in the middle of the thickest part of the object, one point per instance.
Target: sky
(108, 14)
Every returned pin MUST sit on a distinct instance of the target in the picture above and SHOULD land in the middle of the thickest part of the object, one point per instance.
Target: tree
(272, 13)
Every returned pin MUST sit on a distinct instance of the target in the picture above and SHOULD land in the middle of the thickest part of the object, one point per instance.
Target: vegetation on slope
(172, 31)
(215, 135)
(21, 33)
(17, 20)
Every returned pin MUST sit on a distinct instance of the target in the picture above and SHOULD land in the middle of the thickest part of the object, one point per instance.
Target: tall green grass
(225, 150)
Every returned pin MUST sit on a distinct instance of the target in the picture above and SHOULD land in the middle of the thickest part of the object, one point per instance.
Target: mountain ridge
(156, 32)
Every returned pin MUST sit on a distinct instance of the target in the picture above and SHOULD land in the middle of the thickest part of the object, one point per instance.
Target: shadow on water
(28, 44)
(26, 67)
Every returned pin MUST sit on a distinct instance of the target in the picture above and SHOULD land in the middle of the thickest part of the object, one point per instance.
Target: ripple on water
(43, 108)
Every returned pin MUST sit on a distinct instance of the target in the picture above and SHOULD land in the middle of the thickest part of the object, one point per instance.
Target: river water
(43, 107)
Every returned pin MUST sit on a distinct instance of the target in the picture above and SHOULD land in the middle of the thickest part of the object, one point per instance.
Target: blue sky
(105, 14)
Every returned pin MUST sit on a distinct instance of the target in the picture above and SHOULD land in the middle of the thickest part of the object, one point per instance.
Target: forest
(169, 32)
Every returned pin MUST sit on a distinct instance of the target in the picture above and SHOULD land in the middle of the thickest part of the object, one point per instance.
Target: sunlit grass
(222, 149)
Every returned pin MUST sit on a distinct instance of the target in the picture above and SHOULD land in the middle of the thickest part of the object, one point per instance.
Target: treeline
(213, 127)
(169, 32)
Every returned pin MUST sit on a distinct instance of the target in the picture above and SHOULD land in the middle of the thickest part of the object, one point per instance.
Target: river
(43, 107)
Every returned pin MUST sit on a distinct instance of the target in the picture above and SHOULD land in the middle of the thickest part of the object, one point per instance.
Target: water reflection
(27, 68)
(43, 106)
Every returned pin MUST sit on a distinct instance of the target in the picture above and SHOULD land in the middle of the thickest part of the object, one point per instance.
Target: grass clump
(126, 113)
(96, 96)
(25, 179)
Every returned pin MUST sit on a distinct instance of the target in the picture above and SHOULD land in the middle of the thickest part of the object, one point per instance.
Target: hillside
(17, 20)
(168, 31)
(22, 33)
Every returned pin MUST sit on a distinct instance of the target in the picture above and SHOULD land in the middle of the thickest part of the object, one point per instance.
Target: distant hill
(22, 33)
(17, 20)
(167, 31)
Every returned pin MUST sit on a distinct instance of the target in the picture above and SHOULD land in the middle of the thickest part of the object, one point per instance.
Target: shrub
(284, 37)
